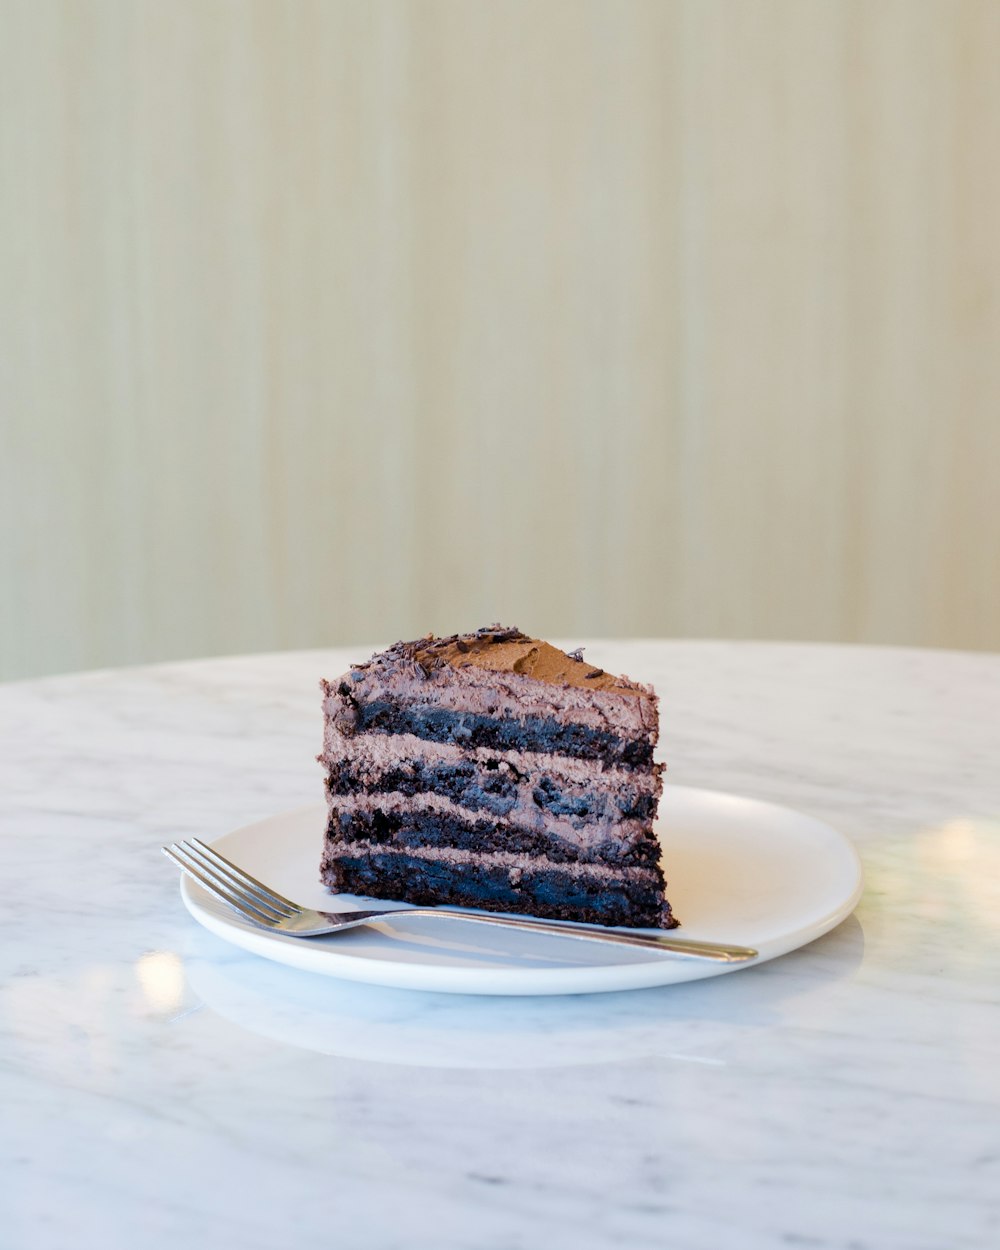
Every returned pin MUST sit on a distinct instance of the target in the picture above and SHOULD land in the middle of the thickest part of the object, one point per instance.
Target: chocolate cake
(492, 770)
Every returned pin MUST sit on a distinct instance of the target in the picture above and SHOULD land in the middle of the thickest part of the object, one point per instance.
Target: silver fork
(267, 909)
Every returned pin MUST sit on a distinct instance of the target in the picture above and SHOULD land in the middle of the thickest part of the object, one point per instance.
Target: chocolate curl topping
(499, 633)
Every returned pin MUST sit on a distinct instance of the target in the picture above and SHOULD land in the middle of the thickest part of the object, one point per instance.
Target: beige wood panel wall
(322, 321)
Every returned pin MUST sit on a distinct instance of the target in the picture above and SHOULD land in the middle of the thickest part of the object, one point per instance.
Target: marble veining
(161, 1088)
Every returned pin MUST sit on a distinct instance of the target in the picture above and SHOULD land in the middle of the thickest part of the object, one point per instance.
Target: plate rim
(520, 981)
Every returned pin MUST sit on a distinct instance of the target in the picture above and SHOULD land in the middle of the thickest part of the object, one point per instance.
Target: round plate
(738, 870)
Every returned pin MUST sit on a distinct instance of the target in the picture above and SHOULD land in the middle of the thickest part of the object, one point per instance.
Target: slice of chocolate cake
(492, 770)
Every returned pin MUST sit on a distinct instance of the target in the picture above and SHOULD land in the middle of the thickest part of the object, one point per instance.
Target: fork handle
(685, 947)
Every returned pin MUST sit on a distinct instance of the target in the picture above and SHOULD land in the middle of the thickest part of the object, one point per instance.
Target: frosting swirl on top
(503, 649)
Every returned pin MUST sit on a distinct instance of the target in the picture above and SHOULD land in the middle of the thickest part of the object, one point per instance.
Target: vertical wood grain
(324, 320)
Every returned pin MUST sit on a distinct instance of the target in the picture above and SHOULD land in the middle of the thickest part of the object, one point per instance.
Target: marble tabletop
(161, 1088)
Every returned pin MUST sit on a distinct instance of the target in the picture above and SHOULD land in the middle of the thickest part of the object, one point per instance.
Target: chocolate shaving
(598, 672)
(498, 633)
(462, 645)
(576, 655)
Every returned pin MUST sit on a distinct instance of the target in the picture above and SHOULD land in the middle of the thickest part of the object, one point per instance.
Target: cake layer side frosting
(432, 817)
(487, 692)
(588, 893)
(375, 753)
(526, 732)
(509, 861)
(535, 803)
(432, 821)
(523, 787)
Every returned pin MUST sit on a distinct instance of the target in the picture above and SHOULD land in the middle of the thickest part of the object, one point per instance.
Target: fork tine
(224, 876)
(265, 893)
(241, 882)
(218, 887)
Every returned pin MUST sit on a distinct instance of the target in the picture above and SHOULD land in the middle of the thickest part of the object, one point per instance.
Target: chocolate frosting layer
(485, 681)
(587, 811)
(504, 649)
(374, 754)
(615, 837)
(511, 860)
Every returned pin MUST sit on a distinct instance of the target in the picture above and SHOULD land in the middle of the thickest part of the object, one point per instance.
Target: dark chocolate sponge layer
(528, 733)
(480, 789)
(545, 892)
(412, 829)
(493, 790)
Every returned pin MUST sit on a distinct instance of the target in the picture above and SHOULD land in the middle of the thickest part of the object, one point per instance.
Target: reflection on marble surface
(161, 1088)
(161, 975)
(415, 1029)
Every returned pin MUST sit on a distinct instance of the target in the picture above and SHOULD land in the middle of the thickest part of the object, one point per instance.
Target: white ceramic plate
(739, 871)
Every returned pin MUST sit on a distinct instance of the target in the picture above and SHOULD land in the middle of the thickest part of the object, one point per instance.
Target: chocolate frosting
(503, 649)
